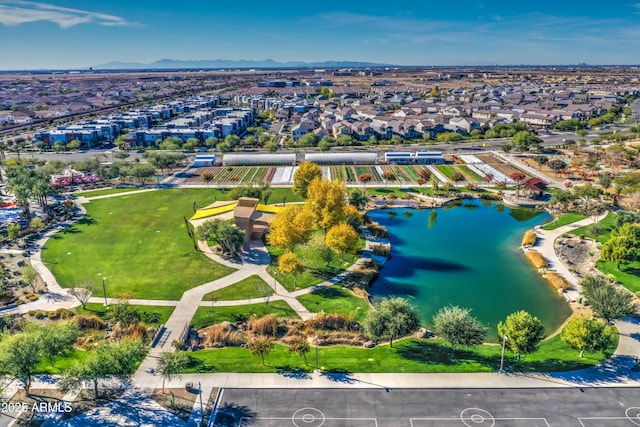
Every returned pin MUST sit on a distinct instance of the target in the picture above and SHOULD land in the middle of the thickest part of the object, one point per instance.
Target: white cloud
(17, 12)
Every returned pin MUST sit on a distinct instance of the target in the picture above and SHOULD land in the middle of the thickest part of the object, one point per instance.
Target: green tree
(358, 198)
(73, 145)
(524, 140)
(391, 318)
(620, 250)
(171, 364)
(228, 237)
(121, 311)
(271, 147)
(309, 140)
(30, 276)
(56, 338)
(304, 175)
(610, 303)
(541, 160)
(109, 360)
(457, 326)
(556, 165)
(260, 346)
(301, 347)
(524, 332)
(20, 355)
(585, 334)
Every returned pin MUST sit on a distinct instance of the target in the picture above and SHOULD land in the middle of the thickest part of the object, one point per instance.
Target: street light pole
(317, 364)
(504, 342)
(104, 291)
(275, 283)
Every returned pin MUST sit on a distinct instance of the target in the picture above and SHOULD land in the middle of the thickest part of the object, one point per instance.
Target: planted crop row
(410, 170)
(350, 174)
(469, 173)
(337, 172)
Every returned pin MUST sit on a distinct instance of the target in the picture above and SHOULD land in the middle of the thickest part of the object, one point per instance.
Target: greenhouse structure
(342, 158)
(246, 159)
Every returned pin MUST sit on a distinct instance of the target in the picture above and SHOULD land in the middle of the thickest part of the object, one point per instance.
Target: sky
(65, 34)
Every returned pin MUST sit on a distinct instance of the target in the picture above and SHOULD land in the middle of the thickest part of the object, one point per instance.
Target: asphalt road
(579, 407)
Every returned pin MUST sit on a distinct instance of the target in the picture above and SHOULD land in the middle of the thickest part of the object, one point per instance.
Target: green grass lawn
(410, 355)
(107, 191)
(608, 224)
(564, 219)
(629, 276)
(146, 311)
(385, 191)
(209, 315)
(251, 287)
(335, 299)
(62, 362)
(139, 242)
(317, 270)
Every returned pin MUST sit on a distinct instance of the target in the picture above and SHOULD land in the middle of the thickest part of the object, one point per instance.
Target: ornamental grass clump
(557, 281)
(266, 325)
(536, 259)
(529, 238)
(223, 334)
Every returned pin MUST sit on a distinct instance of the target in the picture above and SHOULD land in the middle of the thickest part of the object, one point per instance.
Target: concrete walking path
(545, 245)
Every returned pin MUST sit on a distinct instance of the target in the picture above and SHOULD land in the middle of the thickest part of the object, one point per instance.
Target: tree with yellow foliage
(289, 263)
(304, 175)
(291, 227)
(352, 216)
(342, 238)
(326, 201)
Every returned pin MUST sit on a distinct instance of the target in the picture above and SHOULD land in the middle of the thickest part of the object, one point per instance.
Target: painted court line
(325, 422)
(472, 421)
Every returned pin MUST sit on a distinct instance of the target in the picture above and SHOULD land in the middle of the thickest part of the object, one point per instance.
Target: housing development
(245, 247)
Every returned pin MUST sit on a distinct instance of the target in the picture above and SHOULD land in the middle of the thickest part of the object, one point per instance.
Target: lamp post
(317, 364)
(104, 291)
(275, 283)
(504, 342)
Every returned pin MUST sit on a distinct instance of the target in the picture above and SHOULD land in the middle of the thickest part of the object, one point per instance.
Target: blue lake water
(467, 254)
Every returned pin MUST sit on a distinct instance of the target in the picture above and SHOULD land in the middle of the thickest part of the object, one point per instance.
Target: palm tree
(207, 177)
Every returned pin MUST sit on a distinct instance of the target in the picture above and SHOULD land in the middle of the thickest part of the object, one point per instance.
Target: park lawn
(385, 191)
(163, 312)
(564, 219)
(139, 242)
(317, 269)
(409, 355)
(447, 170)
(251, 287)
(335, 299)
(206, 316)
(62, 362)
(629, 277)
(608, 224)
(107, 191)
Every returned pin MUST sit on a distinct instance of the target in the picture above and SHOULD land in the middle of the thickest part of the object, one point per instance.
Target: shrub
(341, 338)
(64, 313)
(557, 281)
(40, 315)
(89, 322)
(529, 238)
(332, 322)
(223, 334)
(266, 325)
(377, 230)
(52, 315)
(133, 331)
(536, 259)
(381, 250)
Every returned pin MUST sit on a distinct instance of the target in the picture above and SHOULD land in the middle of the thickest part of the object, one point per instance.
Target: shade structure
(258, 159)
(342, 158)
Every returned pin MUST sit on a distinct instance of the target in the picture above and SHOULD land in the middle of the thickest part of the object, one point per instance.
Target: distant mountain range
(170, 64)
